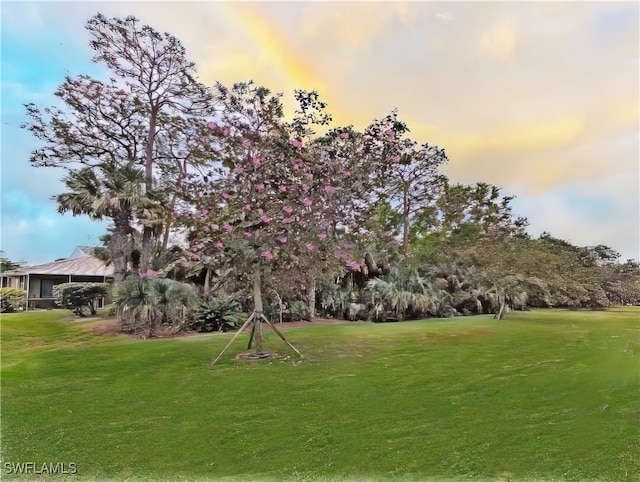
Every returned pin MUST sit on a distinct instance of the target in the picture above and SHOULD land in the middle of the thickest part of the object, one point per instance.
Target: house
(38, 281)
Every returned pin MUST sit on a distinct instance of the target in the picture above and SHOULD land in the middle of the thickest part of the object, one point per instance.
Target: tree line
(217, 187)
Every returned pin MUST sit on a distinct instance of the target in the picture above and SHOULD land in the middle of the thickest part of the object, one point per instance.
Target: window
(46, 288)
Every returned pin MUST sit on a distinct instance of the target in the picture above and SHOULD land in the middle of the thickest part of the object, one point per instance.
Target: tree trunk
(257, 303)
(280, 304)
(502, 299)
(405, 221)
(374, 270)
(207, 283)
(311, 297)
(147, 232)
(119, 247)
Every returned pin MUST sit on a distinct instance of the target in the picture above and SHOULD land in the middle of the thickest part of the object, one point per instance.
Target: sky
(540, 98)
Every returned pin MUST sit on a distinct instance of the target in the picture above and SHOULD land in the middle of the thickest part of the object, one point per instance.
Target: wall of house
(41, 289)
(13, 282)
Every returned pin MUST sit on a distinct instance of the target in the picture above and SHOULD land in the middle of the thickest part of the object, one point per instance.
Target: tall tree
(110, 192)
(414, 183)
(149, 113)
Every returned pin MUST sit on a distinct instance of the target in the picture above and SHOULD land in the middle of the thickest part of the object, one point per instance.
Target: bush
(12, 299)
(219, 314)
(78, 296)
(294, 310)
(144, 304)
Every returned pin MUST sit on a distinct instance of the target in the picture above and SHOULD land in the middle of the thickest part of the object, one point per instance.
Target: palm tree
(403, 293)
(145, 303)
(117, 193)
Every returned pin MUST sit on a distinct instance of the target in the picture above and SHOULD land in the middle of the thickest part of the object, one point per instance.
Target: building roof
(77, 265)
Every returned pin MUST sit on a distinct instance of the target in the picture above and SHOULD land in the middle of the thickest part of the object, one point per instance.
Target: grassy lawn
(543, 395)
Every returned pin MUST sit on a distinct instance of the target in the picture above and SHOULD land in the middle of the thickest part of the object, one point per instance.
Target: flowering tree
(281, 196)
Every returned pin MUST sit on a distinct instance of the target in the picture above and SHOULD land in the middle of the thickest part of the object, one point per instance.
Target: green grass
(544, 395)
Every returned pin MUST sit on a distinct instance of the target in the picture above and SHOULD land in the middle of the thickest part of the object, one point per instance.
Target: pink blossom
(283, 188)
(296, 167)
(346, 173)
(260, 186)
(395, 158)
(354, 266)
(344, 135)
(213, 126)
(307, 202)
(195, 257)
(149, 273)
(238, 170)
(218, 245)
(347, 245)
(204, 212)
(287, 209)
(265, 219)
(282, 239)
(226, 195)
(247, 207)
(305, 187)
(390, 133)
(247, 234)
(329, 189)
(308, 175)
(296, 143)
(322, 235)
(182, 263)
(225, 131)
(287, 220)
(310, 246)
(228, 228)
(256, 161)
(267, 255)
(206, 229)
(246, 143)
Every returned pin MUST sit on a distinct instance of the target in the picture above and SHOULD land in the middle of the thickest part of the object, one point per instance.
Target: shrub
(334, 299)
(293, 310)
(219, 314)
(78, 296)
(12, 299)
(404, 294)
(146, 303)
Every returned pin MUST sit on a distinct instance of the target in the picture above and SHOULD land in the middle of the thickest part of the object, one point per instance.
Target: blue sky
(539, 98)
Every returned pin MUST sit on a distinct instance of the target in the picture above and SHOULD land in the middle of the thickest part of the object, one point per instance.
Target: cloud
(499, 42)
(539, 97)
(588, 215)
(446, 16)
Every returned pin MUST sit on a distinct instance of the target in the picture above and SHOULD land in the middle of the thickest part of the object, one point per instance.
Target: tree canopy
(251, 191)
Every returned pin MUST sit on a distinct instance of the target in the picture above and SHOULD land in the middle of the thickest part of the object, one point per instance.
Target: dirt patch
(109, 327)
(265, 355)
(314, 322)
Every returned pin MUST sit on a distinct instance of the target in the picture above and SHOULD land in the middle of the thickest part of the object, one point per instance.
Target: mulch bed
(110, 326)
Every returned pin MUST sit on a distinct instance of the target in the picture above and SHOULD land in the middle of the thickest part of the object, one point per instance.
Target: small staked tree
(278, 196)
